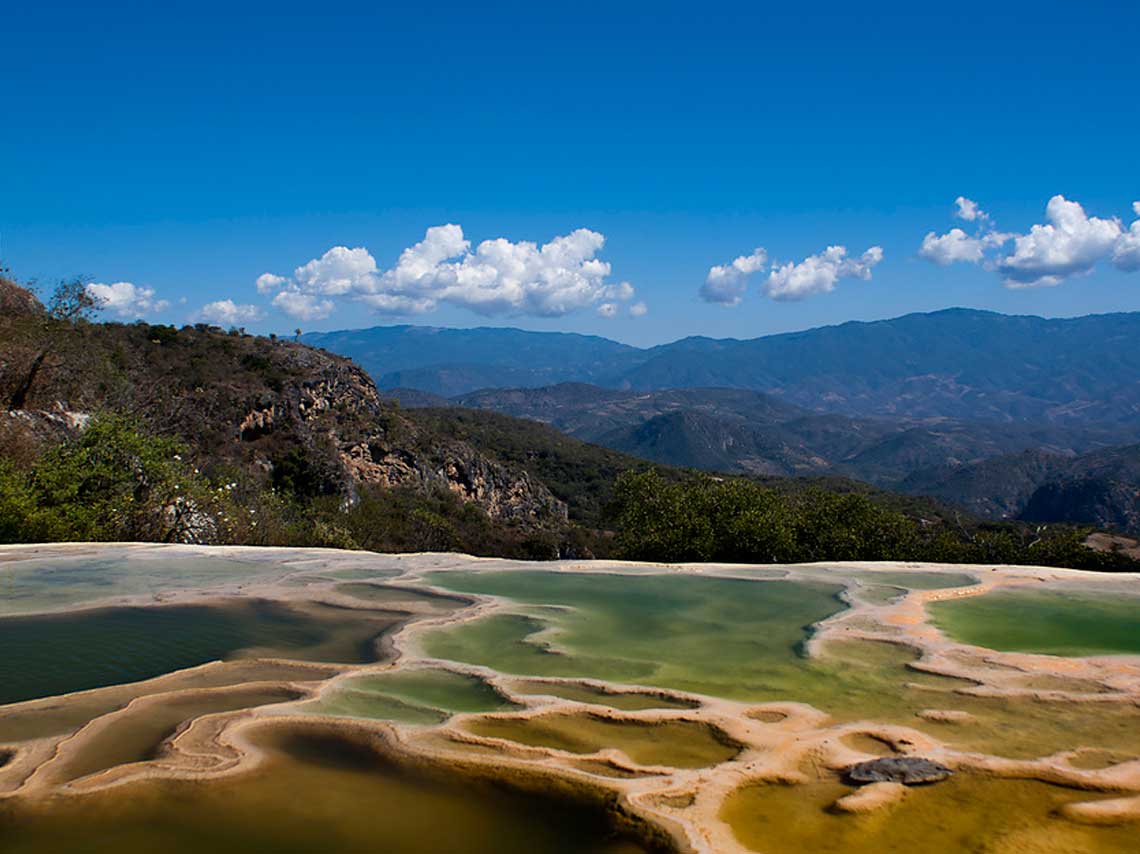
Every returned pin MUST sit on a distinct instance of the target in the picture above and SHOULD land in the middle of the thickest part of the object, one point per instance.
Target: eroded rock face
(337, 404)
(502, 492)
(908, 770)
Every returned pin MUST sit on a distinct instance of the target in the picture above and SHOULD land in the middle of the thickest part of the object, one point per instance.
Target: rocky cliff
(271, 406)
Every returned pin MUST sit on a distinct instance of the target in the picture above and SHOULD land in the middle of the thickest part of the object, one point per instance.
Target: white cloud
(607, 310)
(497, 277)
(638, 309)
(126, 299)
(968, 210)
(1126, 253)
(339, 271)
(954, 245)
(1069, 244)
(267, 283)
(394, 304)
(228, 313)
(819, 274)
(727, 283)
(622, 291)
(303, 306)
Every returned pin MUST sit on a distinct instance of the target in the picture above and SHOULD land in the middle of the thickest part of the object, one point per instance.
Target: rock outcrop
(908, 770)
(248, 402)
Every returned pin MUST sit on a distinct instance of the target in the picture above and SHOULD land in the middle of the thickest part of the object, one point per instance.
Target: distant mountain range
(1002, 415)
(455, 361)
(994, 470)
(957, 363)
(735, 430)
(1099, 488)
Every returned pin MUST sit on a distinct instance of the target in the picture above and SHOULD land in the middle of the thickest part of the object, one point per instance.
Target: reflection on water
(53, 716)
(138, 733)
(316, 794)
(416, 696)
(727, 637)
(55, 583)
(1054, 622)
(743, 640)
(678, 744)
(967, 813)
(581, 693)
(60, 653)
(396, 597)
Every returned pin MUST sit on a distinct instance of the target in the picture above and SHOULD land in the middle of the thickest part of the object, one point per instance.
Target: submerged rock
(947, 716)
(908, 770)
(872, 798)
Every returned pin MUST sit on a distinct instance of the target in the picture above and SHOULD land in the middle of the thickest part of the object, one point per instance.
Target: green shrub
(740, 521)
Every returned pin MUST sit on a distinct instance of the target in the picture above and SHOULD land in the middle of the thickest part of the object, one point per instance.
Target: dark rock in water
(909, 770)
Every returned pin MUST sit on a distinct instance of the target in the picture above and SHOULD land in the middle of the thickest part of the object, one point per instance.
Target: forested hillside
(197, 434)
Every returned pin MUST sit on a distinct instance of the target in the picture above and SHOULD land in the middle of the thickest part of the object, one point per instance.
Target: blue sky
(188, 149)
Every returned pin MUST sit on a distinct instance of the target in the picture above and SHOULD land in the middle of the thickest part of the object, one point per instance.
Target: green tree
(112, 482)
(70, 304)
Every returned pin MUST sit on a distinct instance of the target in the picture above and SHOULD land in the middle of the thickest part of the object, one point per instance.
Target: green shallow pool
(60, 653)
(915, 579)
(580, 693)
(418, 696)
(1043, 621)
(53, 716)
(721, 636)
(138, 733)
(742, 640)
(315, 794)
(54, 583)
(679, 744)
(386, 595)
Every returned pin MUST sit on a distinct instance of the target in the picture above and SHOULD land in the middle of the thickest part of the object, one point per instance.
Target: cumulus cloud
(267, 283)
(1069, 243)
(339, 271)
(955, 245)
(727, 283)
(495, 277)
(818, 274)
(1126, 253)
(228, 313)
(607, 310)
(303, 306)
(968, 210)
(638, 309)
(126, 299)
